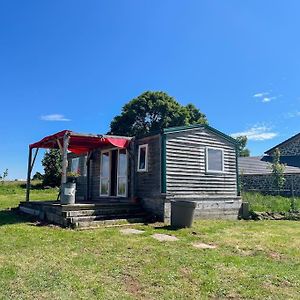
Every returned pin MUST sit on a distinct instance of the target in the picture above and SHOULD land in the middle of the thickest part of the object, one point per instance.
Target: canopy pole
(88, 175)
(34, 158)
(28, 174)
(64, 161)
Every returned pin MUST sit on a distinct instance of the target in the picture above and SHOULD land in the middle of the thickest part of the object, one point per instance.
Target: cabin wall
(147, 184)
(186, 174)
(187, 178)
(95, 175)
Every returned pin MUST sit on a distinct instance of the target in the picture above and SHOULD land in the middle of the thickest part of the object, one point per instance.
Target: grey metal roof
(262, 164)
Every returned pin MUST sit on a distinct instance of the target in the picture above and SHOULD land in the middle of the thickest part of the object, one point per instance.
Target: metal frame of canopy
(77, 143)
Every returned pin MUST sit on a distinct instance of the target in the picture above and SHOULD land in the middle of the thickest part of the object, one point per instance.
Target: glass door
(105, 173)
(122, 173)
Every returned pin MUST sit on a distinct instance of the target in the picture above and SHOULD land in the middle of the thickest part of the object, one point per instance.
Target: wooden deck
(85, 214)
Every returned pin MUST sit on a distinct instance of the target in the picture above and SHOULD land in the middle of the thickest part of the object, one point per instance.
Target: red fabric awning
(80, 143)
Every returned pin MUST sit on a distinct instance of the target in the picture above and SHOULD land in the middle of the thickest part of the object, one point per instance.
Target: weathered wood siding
(186, 174)
(95, 175)
(148, 183)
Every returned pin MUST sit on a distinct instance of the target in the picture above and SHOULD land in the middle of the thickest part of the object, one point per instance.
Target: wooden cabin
(194, 162)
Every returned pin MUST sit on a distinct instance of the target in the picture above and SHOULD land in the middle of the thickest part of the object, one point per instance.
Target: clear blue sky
(73, 64)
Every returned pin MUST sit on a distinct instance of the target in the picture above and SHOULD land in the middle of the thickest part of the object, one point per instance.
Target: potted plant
(72, 176)
(69, 188)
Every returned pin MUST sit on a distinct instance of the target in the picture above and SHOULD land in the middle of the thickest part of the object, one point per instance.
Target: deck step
(108, 222)
(102, 211)
(105, 217)
(85, 215)
(86, 206)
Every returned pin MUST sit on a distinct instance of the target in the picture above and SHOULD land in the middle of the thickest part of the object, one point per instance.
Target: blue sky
(238, 61)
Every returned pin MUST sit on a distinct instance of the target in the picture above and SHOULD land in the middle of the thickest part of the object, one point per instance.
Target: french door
(105, 170)
(113, 173)
(122, 173)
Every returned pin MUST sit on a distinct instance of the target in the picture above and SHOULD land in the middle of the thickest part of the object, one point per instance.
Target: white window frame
(206, 160)
(146, 158)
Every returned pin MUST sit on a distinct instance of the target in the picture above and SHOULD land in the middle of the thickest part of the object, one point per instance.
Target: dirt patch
(275, 255)
(133, 286)
(204, 246)
(164, 237)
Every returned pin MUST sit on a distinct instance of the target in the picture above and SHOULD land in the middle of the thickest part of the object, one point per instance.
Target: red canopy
(81, 143)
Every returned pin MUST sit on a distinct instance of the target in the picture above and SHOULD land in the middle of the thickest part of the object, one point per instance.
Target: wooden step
(106, 217)
(109, 222)
(86, 206)
(102, 211)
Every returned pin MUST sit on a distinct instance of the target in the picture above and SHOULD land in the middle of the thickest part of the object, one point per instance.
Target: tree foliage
(38, 176)
(242, 142)
(277, 171)
(4, 175)
(52, 168)
(152, 111)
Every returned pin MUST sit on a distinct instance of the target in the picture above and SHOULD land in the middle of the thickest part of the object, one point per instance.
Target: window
(105, 174)
(143, 158)
(214, 160)
(84, 173)
(75, 165)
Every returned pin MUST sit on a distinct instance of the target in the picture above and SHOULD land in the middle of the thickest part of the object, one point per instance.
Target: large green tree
(52, 168)
(152, 111)
(242, 143)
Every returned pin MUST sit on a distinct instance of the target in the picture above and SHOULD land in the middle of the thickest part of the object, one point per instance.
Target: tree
(152, 111)
(195, 116)
(38, 176)
(277, 171)
(4, 175)
(242, 142)
(52, 167)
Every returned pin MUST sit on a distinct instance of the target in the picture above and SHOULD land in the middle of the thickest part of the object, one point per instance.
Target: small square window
(214, 160)
(143, 158)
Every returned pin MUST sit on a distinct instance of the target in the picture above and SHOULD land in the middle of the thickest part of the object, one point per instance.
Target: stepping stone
(204, 246)
(131, 231)
(164, 237)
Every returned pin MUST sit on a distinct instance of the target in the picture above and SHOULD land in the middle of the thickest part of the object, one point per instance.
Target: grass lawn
(253, 259)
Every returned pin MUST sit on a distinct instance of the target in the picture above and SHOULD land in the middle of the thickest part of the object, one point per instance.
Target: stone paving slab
(164, 237)
(204, 246)
(131, 231)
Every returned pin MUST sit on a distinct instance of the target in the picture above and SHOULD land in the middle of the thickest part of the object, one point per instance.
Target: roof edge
(282, 143)
(205, 126)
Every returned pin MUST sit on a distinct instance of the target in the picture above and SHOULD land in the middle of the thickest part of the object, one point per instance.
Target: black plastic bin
(182, 213)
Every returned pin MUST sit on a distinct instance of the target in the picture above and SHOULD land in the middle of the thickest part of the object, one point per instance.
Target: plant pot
(72, 179)
(68, 193)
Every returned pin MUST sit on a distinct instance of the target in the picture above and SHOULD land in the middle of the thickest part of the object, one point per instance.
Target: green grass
(253, 260)
(262, 203)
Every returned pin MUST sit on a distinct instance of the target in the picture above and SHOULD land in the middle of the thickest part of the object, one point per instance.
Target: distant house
(194, 162)
(256, 174)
